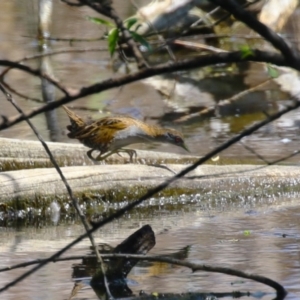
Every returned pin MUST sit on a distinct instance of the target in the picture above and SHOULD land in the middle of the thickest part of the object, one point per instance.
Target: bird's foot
(132, 154)
(89, 154)
(99, 157)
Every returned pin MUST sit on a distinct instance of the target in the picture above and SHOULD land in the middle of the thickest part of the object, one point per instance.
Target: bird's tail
(77, 123)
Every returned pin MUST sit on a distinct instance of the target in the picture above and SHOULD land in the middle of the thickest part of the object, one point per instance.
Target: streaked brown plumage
(110, 134)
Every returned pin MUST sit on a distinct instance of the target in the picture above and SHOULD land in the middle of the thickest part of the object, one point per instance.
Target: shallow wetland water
(260, 236)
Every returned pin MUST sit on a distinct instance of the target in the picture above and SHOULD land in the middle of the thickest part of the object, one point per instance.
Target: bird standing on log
(110, 134)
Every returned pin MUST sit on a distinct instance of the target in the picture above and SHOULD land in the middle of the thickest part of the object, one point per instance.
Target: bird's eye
(177, 139)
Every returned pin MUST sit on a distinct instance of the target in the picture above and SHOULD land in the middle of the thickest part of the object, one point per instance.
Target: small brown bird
(110, 134)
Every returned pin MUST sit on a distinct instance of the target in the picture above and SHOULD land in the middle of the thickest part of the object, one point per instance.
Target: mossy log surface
(133, 180)
(136, 179)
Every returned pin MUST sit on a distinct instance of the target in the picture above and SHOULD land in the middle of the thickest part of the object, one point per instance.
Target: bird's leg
(132, 153)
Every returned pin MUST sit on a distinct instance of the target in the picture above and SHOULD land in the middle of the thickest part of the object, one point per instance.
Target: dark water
(215, 236)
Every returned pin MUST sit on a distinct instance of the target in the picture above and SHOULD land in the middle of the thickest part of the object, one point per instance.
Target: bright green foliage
(140, 39)
(130, 22)
(113, 38)
(113, 35)
(246, 51)
(100, 21)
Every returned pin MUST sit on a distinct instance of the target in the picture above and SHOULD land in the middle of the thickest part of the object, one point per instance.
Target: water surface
(216, 236)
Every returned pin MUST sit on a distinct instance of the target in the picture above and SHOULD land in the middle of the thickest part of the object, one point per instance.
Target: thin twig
(40, 55)
(159, 36)
(254, 152)
(64, 180)
(38, 73)
(274, 162)
(223, 103)
(291, 55)
(38, 261)
(281, 292)
(13, 91)
(189, 32)
(69, 40)
(51, 53)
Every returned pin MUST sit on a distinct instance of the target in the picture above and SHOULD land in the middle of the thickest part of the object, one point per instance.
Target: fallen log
(23, 154)
(114, 183)
(132, 180)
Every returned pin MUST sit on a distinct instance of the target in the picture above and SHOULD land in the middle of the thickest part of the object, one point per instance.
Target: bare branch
(281, 292)
(38, 73)
(72, 3)
(37, 261)
(291, 55)
(202, 61)
(222, 103)
(40, 55)
(251, 150)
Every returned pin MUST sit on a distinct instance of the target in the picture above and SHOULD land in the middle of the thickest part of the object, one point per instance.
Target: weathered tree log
(23, 154)
(116, 270)
(133, 180)
(130, 180)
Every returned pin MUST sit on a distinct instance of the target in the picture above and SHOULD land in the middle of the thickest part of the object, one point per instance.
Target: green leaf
(113, 37)
(100, 21)
(246, 51)
(138, 38)
(272, 72)
(130, 22)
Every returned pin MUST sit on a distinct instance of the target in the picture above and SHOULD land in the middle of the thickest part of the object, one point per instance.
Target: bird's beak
(185, 147)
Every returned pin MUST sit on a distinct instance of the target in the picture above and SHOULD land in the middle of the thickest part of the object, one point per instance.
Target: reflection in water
(216, 236)
(54, 212)
(262, 240)
(185, 91)
(48, 90)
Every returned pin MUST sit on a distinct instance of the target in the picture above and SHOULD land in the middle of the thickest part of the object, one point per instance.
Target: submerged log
(116, 270)
(140, 242)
